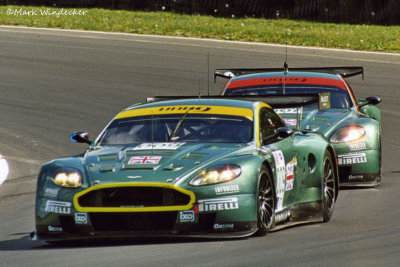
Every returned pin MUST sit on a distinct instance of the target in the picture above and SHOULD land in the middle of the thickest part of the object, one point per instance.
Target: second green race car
(352, 126)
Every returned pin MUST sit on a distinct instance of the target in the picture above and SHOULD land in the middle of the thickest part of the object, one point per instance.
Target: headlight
(348, 134)
(67, 177)
(216, 174)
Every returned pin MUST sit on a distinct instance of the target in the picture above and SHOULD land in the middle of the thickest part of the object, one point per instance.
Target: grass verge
(277, 31)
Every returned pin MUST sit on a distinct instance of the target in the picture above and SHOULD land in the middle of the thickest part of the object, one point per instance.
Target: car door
(284, 156)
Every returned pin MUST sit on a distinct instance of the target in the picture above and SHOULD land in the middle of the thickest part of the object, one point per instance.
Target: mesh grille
(133, 197)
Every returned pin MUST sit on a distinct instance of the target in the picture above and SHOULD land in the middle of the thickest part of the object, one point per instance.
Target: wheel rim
(266, 202)
(329, 185)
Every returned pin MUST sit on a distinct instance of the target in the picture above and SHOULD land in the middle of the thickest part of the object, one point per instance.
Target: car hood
(315, 120)
(141, 164)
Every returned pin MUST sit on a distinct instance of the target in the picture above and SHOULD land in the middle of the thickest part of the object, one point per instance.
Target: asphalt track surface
(54, 83)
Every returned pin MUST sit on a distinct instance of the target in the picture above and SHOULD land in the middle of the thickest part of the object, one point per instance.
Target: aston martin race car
(352, 126)
(191, 168)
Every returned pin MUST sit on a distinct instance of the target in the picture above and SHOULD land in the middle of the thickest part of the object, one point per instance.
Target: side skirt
(310, 212)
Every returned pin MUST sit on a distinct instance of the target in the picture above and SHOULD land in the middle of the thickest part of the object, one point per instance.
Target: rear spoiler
(275, 101)
(345, 72)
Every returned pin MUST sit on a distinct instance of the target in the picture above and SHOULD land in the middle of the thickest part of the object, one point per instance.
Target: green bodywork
(327, 121)
(227, 209)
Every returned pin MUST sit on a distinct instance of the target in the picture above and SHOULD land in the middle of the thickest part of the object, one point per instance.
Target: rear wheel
(329, 187)
(265, 203)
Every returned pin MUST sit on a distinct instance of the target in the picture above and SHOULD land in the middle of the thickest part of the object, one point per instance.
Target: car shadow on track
(25, 243)
(19, 244)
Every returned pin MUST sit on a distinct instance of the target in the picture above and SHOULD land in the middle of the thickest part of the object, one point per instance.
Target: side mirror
(80, 137)
(283, 132)
(371, 100)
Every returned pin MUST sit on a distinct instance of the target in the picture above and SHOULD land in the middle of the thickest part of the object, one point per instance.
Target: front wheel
(329, 187)
(265, 203)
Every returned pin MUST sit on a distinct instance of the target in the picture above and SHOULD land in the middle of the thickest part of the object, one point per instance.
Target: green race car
(352, 126)
(188, 167)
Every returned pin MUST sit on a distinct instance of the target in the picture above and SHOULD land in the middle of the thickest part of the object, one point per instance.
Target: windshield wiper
(178, 127)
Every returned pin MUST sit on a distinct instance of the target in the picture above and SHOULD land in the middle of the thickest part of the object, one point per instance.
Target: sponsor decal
(81, 218)
(58, 207)
(356, 176)
(352, 158)
(279, 159)
(281, 177)
(290, 122)
(144, 160)
(185, 108)
(357, 146)
(224, 226)
(324, 100)
(290, 173)
(186, 216)
(282, 216)
(244, 112)
(51, 192)
(159, 146)
(54, 228)
(218, 204)
(286, 110)
(227, 189)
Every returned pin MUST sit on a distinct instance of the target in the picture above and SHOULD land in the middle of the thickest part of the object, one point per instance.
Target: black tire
(329, 187)
(265, 202)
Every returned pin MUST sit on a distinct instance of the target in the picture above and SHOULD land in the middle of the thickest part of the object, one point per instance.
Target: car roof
(234, 107)
(199, 101)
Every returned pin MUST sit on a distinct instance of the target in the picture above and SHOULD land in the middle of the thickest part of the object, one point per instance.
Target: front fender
(372, 136)
(44, 182)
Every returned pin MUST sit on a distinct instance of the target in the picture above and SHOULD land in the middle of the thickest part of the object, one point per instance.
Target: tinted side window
(269, 123)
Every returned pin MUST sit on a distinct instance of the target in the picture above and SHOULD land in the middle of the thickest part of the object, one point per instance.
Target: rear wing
(345, 72)
(275, 101)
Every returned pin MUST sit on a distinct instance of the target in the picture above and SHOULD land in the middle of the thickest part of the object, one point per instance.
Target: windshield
(178, 127)
(339, 97)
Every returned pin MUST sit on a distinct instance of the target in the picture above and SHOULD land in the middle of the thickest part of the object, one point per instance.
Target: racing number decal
(281, 178)
(290, 170)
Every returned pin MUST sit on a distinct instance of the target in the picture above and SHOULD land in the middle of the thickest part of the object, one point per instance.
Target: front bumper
(68, 217)
(359, 168)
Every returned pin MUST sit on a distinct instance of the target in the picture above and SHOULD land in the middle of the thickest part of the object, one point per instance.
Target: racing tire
(265, 202)
(329, 187)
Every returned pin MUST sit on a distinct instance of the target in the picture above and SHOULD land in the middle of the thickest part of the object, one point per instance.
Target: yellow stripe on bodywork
(191, 109)
(134, 209)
